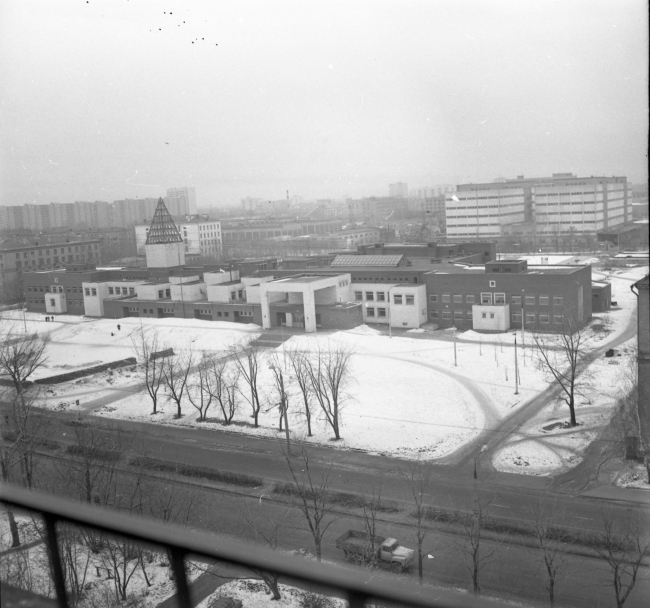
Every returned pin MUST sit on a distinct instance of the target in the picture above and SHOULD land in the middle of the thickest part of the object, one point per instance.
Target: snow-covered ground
(254, 594)
(29, 569)
(406, 396)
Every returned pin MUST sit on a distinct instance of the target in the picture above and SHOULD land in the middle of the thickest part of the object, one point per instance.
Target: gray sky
(102, 100)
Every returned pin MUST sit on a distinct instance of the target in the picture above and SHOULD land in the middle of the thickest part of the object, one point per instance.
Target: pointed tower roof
(162, 229)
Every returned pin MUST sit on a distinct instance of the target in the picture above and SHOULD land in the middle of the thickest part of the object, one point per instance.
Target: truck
(388, 552)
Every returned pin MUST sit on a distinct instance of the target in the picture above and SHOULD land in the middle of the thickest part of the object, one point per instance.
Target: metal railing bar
(180, 578)
(55, 559)
(187, 541)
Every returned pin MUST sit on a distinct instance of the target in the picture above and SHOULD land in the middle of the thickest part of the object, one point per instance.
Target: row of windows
(516, 317)
(381, 297)
(125, 291)
(55, 251)
(42, 301)
(497, 298)
(381, 312)
(53, 289)
(384, 280)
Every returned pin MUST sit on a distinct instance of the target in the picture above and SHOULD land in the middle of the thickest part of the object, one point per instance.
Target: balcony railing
(356, 585)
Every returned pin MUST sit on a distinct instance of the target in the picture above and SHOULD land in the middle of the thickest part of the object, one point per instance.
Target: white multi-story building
(200, 236)
(560, 204)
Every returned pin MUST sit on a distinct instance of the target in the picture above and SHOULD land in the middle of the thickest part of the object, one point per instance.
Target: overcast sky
(107, 99)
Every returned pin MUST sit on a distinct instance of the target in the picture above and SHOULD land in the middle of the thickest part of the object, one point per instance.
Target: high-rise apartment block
(398, 190)
(547, 206)
(97, 214)
(181, 201)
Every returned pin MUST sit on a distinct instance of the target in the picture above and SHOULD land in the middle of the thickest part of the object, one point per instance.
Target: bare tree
(176, 371)
(560, 355)
(23, 431)
(281, 382)
(549, 540)
(301, 371)
(622, 545)
(150, 365)
(311, 489)
(476, 557)
(200, 392)
(247, 360)
(266, 529)
(89, 471)
(418, 480)
(20, 357)
(221, 381)
(329, 376)
(371, 507)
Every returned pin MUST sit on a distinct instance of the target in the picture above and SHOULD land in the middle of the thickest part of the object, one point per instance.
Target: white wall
(56, 303)
(192, 292)
(94, 296)
(214, 278)
(491, 318)
(222, 293)
(149, 291)
(405, 315)
(165, 255)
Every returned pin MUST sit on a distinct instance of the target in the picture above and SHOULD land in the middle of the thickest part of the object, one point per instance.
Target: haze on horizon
(103, 100)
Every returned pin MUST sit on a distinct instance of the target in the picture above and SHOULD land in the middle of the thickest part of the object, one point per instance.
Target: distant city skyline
(108, 101)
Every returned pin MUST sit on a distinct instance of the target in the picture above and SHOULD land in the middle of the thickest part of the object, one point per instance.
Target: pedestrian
(112, 334)
(118, 328)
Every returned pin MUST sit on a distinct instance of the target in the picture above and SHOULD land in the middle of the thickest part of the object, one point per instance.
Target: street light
(455, 355)
(483, 449)
(390, 331)
(516, 368)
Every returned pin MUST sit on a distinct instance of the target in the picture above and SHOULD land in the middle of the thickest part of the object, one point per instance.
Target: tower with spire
(164, 247)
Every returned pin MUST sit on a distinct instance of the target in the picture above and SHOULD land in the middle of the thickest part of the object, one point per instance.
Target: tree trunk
(15, 538)
(420, 565)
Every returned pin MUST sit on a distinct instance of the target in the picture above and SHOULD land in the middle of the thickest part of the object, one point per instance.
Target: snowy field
(406, 397)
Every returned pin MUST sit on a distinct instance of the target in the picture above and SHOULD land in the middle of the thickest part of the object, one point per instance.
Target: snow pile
(255, 594)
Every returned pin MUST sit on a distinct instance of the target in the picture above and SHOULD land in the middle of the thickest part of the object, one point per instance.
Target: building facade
(561, 204)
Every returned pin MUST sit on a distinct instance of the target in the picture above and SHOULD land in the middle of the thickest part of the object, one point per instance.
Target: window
(226, 314)
(52, 302)
(381, 312)
(557, 319)
(595, 296)
(458, 314)
(543, 300)
(110, 291)
(370, 312)
(132, 291)
(530, 300)
(446, 297)
(358, 295)
(499, 298)
(493, 283)
(458, 299)
(516, 299)
(433, 314)
(381, 296)
(397, 299)
(543, 318)
(484, 315)
(557, 300)
(161, 293)
(168, 292)
(516, 317)
(486, 298)
(530, 318)
(470, 299)
(87, 291)
(470, 314)
(94, 291)
(369, 296)
(491, 315)
(410, 300)
(446, 314)
(433, 298)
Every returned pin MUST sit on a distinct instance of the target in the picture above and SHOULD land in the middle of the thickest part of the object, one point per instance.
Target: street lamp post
(516, 369)
(390, 331)
(523, 324)
(483, 449)
(455, 354)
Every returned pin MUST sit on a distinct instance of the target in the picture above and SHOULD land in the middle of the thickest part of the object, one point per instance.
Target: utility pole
(516, 369)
